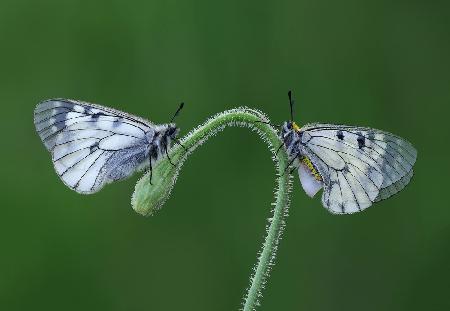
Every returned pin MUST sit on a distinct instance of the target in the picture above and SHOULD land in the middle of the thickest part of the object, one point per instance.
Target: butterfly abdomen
(125, 162)
(307, 162)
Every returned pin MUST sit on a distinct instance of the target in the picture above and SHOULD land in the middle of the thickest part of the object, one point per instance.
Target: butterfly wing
(91, 145)
(359, 165)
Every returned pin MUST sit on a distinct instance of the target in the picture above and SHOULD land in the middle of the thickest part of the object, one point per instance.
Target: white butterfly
(355, 166)
(92, 145)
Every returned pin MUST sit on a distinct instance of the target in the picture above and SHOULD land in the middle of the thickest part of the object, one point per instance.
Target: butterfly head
(289, 133)
(288, 127)
(291, 124)
(290, 130)
(171, 131)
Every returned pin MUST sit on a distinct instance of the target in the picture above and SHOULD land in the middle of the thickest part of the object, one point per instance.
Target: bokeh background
(383, 64)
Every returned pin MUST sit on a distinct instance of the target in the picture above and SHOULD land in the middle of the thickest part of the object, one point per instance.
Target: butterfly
(93, 145)
(355, 166)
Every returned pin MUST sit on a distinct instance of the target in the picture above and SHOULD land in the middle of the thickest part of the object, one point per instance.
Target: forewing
(361, 165)
(89, 143)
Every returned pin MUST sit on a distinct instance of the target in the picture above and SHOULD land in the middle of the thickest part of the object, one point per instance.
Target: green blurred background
(383, 64)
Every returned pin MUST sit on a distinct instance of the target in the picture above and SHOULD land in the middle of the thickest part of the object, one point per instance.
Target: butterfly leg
(279, 148)
(151, 170)
(290, 163)
(293, 170)
(179, 143)
(170, 160)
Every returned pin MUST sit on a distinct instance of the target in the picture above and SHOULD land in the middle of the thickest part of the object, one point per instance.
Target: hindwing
(91, 145)
(359, 165)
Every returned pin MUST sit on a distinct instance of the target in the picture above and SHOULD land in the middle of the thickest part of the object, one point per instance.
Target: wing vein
(353, 193)
(84, 174)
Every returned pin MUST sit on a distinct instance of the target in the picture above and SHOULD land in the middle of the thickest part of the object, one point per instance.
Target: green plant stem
(146, 200)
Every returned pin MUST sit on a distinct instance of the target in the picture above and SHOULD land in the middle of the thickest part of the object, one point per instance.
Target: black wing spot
(361, 140)
(94, 147)
(117, 122)
(96, 115)
(340, 135)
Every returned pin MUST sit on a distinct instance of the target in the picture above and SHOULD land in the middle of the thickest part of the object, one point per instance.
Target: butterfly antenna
(291, 104)
(177, 141)
(177, 112)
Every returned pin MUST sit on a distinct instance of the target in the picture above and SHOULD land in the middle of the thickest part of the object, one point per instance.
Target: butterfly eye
(289, 125)
(172, 131)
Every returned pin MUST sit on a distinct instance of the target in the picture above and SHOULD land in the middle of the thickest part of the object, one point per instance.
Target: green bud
(148, 198)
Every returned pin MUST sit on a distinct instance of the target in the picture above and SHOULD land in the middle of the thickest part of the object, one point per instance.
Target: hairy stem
(148, 199)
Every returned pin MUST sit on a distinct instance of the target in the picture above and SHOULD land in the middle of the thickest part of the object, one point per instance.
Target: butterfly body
(92, 145)
(355, 166)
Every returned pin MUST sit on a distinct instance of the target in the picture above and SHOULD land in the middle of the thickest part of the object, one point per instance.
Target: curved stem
(146, 200)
